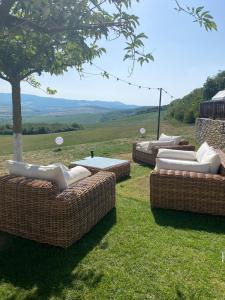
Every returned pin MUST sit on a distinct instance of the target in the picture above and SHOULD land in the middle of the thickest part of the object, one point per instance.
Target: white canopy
(220, 96)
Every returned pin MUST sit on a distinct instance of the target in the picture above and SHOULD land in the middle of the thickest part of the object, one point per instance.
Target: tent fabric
(220, 96)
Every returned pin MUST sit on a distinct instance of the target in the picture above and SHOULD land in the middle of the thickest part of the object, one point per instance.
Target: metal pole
(159, 111)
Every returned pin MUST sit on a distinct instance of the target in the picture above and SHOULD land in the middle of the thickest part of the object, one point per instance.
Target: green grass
(133, 253)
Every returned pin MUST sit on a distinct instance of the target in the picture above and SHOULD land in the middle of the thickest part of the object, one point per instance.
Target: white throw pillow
(213, 158)
(182, 165)
(175, 139)
(201, 151)
(51, 173)
(76, 174)
(177, 154)
(159, 144)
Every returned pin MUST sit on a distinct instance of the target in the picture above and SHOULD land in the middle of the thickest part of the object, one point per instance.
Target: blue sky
(184, 53)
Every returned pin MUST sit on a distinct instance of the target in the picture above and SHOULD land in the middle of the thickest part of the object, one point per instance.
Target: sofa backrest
(222, 166)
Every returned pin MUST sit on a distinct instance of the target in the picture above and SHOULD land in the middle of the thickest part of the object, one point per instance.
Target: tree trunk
(17, 120)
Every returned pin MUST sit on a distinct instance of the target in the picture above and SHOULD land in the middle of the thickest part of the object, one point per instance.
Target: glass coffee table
(120, 167)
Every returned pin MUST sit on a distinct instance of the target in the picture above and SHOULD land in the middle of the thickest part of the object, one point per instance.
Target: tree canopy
(9, 18)
(187, 109)
(63, 34)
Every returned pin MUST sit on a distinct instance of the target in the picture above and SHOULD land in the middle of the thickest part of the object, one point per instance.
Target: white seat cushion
(182, 165)
(52, 173)
(201, 151)
(213, 158)
(177, 154)
(76, 174)
(176, 139)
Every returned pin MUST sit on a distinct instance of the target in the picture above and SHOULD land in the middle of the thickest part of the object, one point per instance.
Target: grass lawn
(133, 253)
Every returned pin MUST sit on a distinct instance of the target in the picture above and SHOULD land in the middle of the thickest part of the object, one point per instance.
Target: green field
(127, 128)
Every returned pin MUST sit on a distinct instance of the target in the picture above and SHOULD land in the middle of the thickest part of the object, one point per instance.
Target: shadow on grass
(188, 220)
(26, 264)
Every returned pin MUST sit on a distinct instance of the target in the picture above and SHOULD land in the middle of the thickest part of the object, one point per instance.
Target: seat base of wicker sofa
(185, 191)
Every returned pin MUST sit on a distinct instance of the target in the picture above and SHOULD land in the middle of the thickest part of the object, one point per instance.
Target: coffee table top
(99, 162)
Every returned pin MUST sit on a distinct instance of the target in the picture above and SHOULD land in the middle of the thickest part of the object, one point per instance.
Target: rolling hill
(35, 107)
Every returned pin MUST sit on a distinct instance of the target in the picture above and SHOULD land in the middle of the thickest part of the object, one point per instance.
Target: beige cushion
(176, 139)
(177, 154)
(76, 174)
(201, 151)
(212, 157)
(51, 173)
(182, 165)
(159, 144)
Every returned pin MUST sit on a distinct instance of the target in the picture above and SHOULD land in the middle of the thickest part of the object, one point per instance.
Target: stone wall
(211, 131)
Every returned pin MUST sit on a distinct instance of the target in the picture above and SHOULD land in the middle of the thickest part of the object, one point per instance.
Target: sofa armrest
(99, 182)
(183, 142)
(86, 203)
(134, 146)
(30, 189)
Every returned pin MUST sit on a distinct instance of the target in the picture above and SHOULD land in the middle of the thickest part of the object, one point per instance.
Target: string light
(108, 75)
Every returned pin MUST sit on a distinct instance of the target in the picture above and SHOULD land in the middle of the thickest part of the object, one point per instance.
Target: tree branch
(29, 73)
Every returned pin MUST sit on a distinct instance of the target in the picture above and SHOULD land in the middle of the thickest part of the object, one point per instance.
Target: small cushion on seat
(213, 158)
(182, 165)
(177, 154)
(201, 151)
(52, 172)
(159, 144)
(176, 139)
(76, 174)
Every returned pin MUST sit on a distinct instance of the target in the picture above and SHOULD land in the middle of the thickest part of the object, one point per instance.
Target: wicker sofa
(189, 191)
(150, 158)
(36, 210)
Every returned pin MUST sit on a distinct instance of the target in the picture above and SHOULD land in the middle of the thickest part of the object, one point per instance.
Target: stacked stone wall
(211, 131)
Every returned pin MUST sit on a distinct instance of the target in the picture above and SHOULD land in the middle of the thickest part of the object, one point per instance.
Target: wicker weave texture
(34, 209)
(150, 158)
(189, 191)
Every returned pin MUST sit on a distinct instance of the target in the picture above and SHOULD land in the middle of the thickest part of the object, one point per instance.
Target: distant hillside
(186, 109)
(35, 106)
(111, 116)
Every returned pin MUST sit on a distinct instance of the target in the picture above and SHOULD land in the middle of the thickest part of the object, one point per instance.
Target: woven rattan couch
(150, 158)
(36, 210)
(189, 191)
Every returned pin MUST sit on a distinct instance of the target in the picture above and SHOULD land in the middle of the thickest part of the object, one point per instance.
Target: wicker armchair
(189, 191)
(150, 158)
(36, 210)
